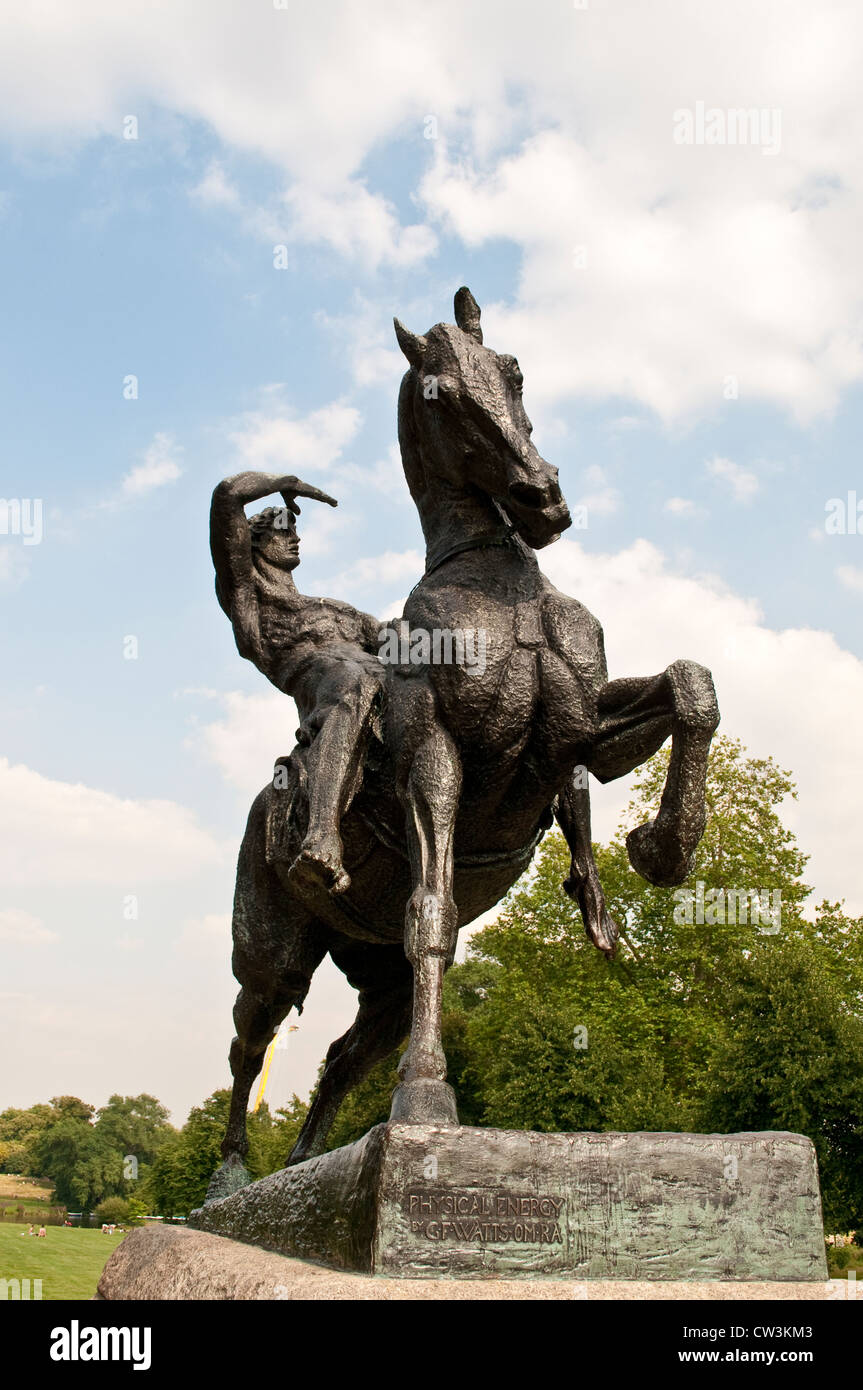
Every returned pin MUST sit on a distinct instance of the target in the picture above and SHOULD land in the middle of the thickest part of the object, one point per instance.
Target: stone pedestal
(425, 1201)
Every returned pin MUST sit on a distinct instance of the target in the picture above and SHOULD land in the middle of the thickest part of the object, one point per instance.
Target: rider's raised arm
(231, 545)
(231, 549)
(230, 542)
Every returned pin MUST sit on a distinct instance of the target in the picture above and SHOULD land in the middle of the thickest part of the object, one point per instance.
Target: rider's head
(274, 538)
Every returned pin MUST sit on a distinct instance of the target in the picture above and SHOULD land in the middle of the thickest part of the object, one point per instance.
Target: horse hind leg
(384, 980)
(636, 717)
(278, 946)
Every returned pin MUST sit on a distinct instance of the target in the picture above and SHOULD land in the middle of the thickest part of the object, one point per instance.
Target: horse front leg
(636, 716)
(430, 794)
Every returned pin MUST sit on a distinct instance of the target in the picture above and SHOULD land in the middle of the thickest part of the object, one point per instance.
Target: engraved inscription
(492, 1218)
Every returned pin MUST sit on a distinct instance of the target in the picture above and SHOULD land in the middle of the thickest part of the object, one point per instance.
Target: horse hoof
(228, 1179)
(424, 1101)
(604, 935)
(600, 927)
(663, 862)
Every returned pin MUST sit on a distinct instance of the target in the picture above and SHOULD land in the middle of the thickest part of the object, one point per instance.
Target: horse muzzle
(538, 513)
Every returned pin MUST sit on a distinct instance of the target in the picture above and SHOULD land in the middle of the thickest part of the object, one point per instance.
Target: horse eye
(513, 370)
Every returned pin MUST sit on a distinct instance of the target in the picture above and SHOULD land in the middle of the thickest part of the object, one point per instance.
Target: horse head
(463, 403)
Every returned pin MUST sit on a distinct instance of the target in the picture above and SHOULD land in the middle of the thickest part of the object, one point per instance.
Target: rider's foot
(320, 860)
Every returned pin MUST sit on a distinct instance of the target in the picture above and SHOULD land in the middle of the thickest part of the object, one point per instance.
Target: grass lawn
(68, 1260)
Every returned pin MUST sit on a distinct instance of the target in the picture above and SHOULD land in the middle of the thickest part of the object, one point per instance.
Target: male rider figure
(318, 650)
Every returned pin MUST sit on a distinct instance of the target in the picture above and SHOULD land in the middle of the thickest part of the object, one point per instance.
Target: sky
(209, 213)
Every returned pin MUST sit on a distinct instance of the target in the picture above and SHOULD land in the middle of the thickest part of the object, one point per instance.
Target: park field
(16, 1189)
(69, 1261)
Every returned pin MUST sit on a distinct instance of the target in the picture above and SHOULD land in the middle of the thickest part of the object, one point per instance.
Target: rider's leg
(636, 717)
(334, 763)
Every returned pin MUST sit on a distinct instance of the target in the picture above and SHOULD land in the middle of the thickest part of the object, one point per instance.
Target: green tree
(14, 1157)
(137, 1210)
(18, 1130)
(177, 1180)
(793, 1057)
(82, 1165)
(134, 1125)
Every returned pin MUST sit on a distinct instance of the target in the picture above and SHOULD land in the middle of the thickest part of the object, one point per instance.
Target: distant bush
(838, 1258)
(114, 1211)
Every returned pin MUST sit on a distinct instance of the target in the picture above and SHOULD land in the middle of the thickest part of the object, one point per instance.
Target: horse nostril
(530, 494)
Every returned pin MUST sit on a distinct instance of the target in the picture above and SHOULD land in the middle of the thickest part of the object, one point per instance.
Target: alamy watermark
(402, 645)
(760, 907)
(19, 1289)
(21, 516)
(844, 515)
(717, 125)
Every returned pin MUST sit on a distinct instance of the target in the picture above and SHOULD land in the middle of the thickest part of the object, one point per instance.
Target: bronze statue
(420, 789)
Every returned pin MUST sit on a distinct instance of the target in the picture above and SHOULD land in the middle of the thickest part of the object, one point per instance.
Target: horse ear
(413, 345)
(467, 313)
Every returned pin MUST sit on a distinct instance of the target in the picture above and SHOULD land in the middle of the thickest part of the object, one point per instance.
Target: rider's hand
(290, 487)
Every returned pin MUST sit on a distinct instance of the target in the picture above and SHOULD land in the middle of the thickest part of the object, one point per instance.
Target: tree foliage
(177, 1181)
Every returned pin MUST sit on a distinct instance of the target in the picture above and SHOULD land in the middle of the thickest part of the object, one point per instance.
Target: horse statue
(420, 788)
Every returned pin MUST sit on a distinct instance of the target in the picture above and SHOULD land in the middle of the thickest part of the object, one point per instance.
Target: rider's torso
(297, 638)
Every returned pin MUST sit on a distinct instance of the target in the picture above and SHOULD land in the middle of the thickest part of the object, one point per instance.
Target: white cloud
(14, 563)
(276, 439)
(743, 484)
(214, 189)
(700, 262)
(605, 500)
(68, 833)
(365, 337)
(286, 443)
(207, 937)
(248, 737)
(385, 475)
(321, 531)
(160, 466)
(371, 571)
(680, 506)
(356, 224)
(624, 424)
(20, 928)
(850, 576)
(792, 694)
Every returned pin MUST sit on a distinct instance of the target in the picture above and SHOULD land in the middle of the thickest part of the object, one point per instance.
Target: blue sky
(633, 277)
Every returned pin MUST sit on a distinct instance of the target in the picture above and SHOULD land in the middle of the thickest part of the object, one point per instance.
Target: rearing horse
(466, 769)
